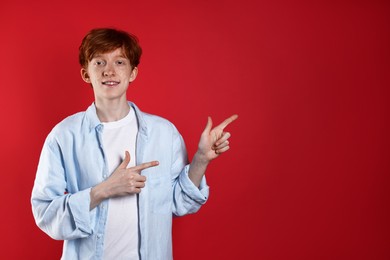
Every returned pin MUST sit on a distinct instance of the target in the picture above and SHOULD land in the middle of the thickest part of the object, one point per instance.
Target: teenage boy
(110, 178)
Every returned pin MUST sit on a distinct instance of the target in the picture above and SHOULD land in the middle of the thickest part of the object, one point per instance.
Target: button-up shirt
(73, 160)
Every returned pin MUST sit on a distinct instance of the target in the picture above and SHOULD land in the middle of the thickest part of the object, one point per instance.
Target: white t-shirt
(121, 237)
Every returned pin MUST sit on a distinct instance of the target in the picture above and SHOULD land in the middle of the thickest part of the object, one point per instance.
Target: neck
(111, 110)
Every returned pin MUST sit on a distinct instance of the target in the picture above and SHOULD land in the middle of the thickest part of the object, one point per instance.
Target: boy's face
(110, 74)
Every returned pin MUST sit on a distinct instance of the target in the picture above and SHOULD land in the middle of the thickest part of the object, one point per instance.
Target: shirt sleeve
(187, 198)
(61, 215)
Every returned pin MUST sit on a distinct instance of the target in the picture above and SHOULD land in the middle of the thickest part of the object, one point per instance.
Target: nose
(109, 71)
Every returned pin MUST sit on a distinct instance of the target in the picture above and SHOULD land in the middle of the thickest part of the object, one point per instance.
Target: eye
(99, 63)
(120, 62)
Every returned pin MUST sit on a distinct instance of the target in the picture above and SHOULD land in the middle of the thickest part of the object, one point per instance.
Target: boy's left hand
(214, 141)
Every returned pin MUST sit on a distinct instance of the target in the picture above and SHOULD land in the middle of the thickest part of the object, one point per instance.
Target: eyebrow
(100, 55)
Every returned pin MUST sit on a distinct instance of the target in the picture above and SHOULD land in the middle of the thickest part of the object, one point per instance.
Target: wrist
(98, 194)
(200, 158)
(198, 168)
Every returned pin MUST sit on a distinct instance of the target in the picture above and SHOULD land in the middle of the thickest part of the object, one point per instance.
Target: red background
(308, 173)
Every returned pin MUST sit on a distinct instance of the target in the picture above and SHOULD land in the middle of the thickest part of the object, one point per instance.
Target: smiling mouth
(110, 83)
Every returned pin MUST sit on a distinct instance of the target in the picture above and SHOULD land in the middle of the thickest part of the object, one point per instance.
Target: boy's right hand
(123, 181)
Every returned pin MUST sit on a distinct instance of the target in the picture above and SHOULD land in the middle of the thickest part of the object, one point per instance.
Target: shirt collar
(94, 121)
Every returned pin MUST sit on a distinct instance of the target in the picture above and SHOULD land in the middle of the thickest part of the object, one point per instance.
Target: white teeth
(110, 83)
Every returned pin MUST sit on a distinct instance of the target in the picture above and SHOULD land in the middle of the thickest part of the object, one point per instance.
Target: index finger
(144, 166)
(227, 121)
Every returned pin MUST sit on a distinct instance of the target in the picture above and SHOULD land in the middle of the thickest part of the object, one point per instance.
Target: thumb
(125, 161)
(209, 125)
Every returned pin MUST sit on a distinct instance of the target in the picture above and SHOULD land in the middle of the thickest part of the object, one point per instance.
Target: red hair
(103, 40)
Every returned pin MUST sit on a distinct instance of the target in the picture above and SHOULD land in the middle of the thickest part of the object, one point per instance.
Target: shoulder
(156, 120)
(148, 120)
(68, 126)
(70, 122)
(157, 125)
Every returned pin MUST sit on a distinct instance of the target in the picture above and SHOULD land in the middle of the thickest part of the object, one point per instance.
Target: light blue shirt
(73, 160)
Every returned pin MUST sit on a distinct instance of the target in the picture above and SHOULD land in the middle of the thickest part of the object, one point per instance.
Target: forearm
(198, 168)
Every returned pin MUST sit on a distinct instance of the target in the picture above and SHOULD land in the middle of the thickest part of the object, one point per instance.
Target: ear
(134, 74)
(84, 75)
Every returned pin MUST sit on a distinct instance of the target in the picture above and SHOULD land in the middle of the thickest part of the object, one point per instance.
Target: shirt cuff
(200, 194)
(79, 205)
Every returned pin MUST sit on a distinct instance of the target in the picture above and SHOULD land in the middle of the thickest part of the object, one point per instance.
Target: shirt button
(99, 236)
